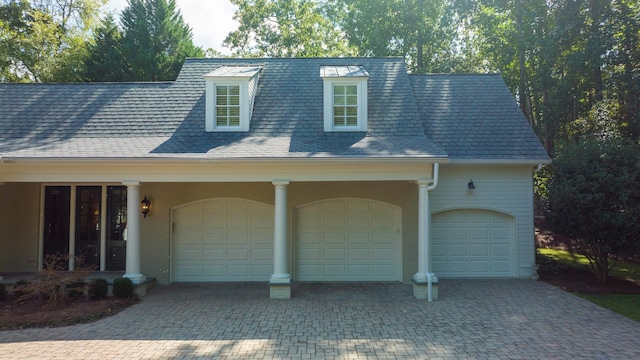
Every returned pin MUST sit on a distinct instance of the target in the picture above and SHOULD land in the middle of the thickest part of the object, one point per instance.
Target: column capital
(131, 182)
(280, 182)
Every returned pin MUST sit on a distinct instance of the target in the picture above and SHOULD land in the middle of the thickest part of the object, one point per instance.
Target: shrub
(123, 288)
(595, 200)
(98, 289)
(75, 288)
(3, 292)
(20, 288)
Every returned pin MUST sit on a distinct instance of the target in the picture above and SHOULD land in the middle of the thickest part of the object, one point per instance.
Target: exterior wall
(156, 228)
(19, 227)
(507, 189)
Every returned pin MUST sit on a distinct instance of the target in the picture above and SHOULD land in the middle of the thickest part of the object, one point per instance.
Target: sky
(210, 20)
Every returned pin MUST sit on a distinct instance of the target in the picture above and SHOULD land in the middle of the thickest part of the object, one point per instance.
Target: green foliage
(595, 199)
(45, 40)
(155, 40)
(123, 288)
(285, 28)
(98, 289)
(75, 289)
(20, 288)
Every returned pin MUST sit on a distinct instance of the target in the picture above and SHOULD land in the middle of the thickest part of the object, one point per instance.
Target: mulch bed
(16, 315)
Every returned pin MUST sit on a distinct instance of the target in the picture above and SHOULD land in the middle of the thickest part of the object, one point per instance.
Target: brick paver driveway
(472, 319)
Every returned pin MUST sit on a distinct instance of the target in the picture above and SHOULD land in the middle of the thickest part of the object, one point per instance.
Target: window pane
(221, 90)
(351, 90)
(352, 111)
(234, 121)
(221, 121)
(221, 111)
(234, 111)
(234, 90)
(221, 100)
(338, 100)
(352, 121)
(234, 100)
(352, 100)
(338, 89)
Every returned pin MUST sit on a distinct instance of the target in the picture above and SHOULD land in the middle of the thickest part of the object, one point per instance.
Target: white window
(345, 98)
(229, 100)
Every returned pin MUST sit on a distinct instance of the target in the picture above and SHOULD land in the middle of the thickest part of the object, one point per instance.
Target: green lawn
(624, 304)
(622, 269)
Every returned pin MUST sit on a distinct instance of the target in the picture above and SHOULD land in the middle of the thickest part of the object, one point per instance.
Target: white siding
(507, 189)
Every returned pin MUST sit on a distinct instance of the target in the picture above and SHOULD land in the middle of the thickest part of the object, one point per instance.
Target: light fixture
(145, 204)
(470, 185)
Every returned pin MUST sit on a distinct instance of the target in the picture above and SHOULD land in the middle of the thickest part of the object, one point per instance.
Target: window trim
(211, 123)
(361, 86)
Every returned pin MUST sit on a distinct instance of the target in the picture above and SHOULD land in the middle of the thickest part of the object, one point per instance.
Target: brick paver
(474, 319)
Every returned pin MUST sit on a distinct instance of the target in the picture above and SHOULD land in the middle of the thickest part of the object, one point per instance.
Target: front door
(56, 222)
(116, 223)
(88, 206)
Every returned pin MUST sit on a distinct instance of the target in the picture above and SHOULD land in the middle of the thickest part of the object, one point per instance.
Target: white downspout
(430, 275)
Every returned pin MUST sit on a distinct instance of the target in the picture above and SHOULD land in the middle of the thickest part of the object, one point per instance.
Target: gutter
(138, 160)
(431, 276)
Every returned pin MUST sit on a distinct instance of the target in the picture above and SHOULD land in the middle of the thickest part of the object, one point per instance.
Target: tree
(285, 28)
(155, 40)
(595, 200)
(44, 40)
(105, 61)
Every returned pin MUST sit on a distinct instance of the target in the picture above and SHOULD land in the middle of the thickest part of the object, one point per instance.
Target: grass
(624, 304)
(622, 269)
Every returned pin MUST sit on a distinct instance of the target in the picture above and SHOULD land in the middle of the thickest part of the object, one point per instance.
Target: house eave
(531, 161)
(246, 160)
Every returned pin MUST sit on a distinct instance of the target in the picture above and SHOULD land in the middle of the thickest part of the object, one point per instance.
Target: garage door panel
(233, 242)
(356, 237)
(334, 254)
(485, 251)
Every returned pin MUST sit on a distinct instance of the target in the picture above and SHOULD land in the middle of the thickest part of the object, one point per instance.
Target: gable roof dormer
(231, 91)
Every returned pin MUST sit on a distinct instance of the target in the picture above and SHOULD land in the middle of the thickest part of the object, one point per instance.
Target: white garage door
(223, 240)
(472, 243)
(348, 240)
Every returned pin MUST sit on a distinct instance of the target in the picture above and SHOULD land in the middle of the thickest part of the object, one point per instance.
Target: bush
(594, 199)
(123, 288)
(20, 288)
(3, 292)
(98, 289)
(75, 289)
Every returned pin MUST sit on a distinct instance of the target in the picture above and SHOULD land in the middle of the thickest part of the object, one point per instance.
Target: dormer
(231, 91)
(345, 98)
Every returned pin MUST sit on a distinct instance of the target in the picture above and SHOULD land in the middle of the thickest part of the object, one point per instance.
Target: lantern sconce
(145, 205)
(471, 185)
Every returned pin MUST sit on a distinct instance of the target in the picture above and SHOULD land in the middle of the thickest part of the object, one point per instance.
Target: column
(280, 282)
(132, 267)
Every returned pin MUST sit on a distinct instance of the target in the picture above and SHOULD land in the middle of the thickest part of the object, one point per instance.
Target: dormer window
(345, 98)
(229, 100)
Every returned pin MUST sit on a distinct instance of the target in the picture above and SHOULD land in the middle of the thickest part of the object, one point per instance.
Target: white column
(132, 267)
(423, 232)
(280, 274)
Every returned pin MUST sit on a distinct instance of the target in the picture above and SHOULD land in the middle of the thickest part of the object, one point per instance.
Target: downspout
(430, 275)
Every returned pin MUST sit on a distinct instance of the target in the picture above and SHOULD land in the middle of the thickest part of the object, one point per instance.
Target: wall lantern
(471, 185)
(145, 205)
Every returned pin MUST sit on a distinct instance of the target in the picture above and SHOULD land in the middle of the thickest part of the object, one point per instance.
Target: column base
(280, 290)
(136, 279)
(421, 290)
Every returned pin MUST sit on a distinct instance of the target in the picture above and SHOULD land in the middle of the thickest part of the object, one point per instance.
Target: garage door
(348, 240)
(223, 240)
(472, 243)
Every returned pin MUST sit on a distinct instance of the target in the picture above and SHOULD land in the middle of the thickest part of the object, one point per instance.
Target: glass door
(116, 223)
(57, 206)
(87, 244)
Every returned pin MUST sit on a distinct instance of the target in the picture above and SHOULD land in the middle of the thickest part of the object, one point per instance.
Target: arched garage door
(473, 244)
(348, 240)
(223, 240)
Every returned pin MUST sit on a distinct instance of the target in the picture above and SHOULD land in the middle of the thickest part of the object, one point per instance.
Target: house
(271, 170)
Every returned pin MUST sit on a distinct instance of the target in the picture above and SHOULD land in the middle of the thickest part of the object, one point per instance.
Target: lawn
(570, 271)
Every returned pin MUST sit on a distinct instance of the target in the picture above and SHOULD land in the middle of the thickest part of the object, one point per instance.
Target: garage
(348, 240)
(222, 240)
(473, 243)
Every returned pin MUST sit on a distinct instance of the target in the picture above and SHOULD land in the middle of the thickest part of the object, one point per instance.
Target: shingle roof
(463, 116)
(475, 117)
